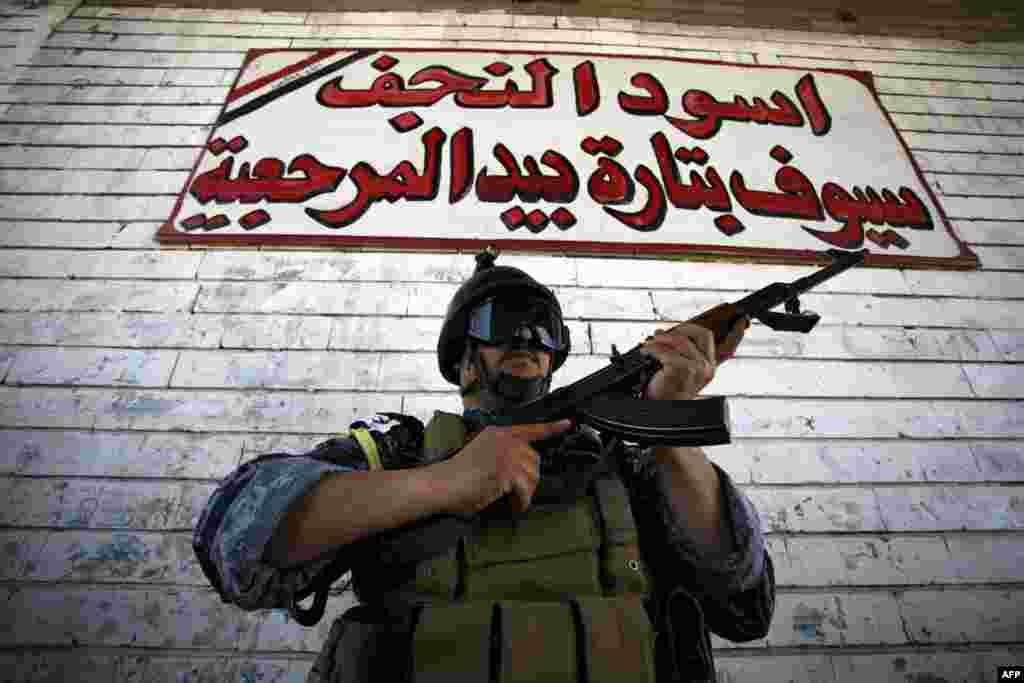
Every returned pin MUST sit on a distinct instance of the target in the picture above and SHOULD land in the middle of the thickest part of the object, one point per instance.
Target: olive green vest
(585, 547)
(564, 581)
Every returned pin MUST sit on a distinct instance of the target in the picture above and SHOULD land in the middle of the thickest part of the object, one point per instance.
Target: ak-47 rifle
(606, 400)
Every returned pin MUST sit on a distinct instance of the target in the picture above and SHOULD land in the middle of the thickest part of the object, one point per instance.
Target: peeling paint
(28, 454)
(807, 622)
(119, 557)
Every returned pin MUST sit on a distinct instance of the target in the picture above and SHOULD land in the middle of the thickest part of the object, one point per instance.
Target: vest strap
(369, 446)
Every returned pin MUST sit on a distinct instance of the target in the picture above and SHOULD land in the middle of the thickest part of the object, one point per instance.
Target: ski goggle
(509, 320)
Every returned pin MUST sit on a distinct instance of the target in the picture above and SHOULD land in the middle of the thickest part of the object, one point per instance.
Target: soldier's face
(522, 362)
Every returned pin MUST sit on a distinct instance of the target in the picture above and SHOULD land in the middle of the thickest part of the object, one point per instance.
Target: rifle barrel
(843, 262)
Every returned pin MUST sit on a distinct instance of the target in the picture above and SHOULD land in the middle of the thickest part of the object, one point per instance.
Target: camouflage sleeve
(735, 586)
(240, 518)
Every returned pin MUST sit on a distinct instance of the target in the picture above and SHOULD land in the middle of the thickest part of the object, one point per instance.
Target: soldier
(482, 553)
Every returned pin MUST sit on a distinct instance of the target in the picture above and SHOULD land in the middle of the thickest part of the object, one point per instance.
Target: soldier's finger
(542, 430)
(522, 493)
(728, 346)
(671, 344)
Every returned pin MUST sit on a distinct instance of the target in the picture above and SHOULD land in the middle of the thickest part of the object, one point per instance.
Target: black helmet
(487, 281)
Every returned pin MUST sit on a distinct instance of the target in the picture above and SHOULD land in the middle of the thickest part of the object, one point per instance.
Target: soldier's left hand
(689, 359)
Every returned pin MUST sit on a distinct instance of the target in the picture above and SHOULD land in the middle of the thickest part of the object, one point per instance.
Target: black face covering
(499, 391)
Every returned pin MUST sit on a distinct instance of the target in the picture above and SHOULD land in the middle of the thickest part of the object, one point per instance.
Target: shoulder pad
(382, 423)
(398, 437)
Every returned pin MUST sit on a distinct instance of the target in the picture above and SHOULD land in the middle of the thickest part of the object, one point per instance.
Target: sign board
(443, 150)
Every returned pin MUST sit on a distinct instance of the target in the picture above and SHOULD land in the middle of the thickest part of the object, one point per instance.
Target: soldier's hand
(496, 462)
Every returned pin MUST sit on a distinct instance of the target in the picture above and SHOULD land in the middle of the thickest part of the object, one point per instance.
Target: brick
(135, 76)
(273, 332)
(102, 367)
(958, 124)
(851, 310)
(234, 411)
(48, 665)
(336, 370)
(841, 342)
(308, 297)
(653, 273)
(163, 618)
(117, 557)
(991, 232)
(935, 508)
(72, 207)
(950, 142)
(93, 504)
(41, 295)
(832, 619)
(45, 234)
(822, 461)
(71, 134)
(137, 236)
(817, 509)
(1000, 461)
(875, 418)
(162, 43)
(937, 105)
(1011, 258)
(963, 616)
(996, 558)
(94, 182)
(19, 549)
(995, 381)
(103, 454)
(842, 380)
(129, 329)
(978, 665)
(47, 408)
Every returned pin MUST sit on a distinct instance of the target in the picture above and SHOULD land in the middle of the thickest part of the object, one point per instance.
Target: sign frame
(168, 235)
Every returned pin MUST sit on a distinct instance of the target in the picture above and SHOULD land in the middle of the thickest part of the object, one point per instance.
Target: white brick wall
(885, 450)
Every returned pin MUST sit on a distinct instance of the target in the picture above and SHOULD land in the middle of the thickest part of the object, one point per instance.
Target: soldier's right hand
(496, 462)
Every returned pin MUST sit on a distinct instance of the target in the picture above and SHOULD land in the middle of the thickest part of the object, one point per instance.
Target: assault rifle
(607, 400)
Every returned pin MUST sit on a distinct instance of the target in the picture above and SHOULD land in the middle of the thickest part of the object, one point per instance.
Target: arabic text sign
(444, 150)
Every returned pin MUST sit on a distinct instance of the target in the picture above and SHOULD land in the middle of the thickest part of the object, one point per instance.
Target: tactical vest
(537, 597)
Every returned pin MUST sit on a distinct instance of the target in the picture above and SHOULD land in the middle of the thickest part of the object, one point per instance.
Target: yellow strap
(369, 447)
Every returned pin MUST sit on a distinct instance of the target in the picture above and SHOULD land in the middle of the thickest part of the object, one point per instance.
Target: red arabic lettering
(652, 215)
(391, 90)
(584, 81)
(654, 103)
(610, 183)
(817, 114)
(797, 198)
(404, 182)
(266, 181)
(538, 97)
(462, 166)
(866, 206)
(711, 193)
(561, 187)
(710, 113)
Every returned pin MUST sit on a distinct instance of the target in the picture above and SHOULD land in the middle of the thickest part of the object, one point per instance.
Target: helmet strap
(499, 391)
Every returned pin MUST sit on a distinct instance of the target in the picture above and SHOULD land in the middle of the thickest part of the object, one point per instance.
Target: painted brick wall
(885, 451)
